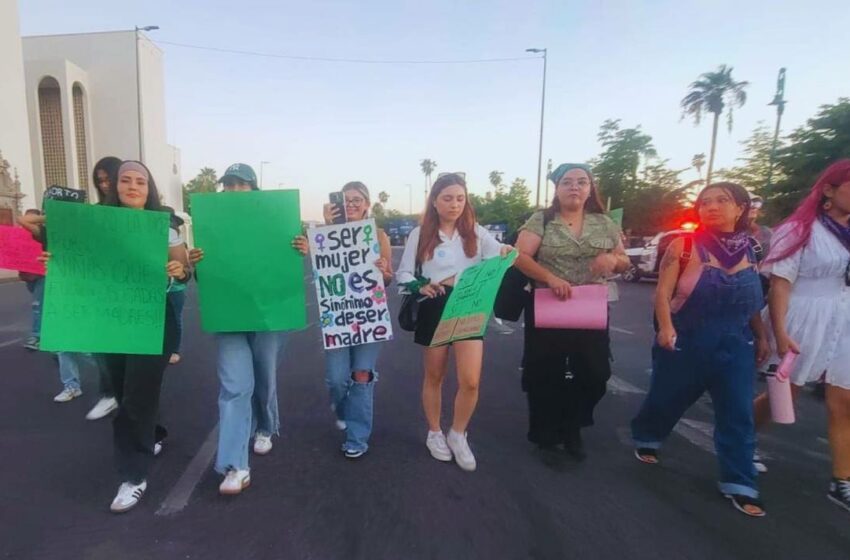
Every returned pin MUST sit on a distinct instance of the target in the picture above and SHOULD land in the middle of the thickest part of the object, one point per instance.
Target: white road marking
(180, 493)
(622, 331)
(10, 342)
(618, 385)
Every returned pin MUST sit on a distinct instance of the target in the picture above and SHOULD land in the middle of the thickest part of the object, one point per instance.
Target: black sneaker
(839, 492)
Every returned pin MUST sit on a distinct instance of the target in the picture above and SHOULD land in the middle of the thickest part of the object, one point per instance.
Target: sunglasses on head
(461, 174)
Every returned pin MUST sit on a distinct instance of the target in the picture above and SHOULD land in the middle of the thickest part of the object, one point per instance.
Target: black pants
(565, 376)
(137, 380)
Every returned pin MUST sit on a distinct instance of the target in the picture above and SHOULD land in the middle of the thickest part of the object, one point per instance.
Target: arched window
(52, 135)
(80, 134)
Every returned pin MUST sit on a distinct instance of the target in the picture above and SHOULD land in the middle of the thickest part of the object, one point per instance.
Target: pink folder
(586, 308)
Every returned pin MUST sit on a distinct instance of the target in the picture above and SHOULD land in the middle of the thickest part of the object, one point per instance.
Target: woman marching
(350, 372)
(448, 241)
(809, 308)
(247, 372)
(572, 243)
(710, 337)
(137, 379)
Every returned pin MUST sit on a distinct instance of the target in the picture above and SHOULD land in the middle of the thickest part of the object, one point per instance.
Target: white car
(646, 260)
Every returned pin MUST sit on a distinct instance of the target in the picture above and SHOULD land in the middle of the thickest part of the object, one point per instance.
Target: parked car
(646, 260)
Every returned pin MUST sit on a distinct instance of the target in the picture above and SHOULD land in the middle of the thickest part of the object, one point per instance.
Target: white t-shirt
(449, 258)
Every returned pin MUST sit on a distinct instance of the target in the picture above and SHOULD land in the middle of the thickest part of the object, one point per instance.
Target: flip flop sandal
(740, 502)
(647, 455)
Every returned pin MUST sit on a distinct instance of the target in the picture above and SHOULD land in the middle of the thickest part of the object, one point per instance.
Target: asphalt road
(307, 501)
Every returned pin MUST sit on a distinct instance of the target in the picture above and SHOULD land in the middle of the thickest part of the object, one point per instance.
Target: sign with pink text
(350, 289)
(19, 251)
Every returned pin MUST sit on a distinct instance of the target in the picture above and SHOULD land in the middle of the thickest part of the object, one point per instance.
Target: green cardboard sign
(251, 279)
(617, 215)
(471, 302)
(106, 281)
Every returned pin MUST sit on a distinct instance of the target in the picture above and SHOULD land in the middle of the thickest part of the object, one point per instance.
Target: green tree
(713, 92)
(809, 150)
(754, 166)
(204, 181)
(509, 206)
(617, 167)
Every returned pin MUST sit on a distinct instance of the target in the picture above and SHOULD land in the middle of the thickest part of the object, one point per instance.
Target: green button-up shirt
(569, 257)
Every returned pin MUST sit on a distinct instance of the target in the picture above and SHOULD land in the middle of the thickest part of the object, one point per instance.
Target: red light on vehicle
(689, 226)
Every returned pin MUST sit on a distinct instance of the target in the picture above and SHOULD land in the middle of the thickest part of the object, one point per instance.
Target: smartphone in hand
(337, 199)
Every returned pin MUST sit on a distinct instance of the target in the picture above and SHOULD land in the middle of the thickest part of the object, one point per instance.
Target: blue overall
(714, 353)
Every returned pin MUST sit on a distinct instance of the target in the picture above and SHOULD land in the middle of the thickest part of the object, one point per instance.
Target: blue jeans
(177, 300)
(247, 401)
(69, 368)
(353, 400)
(36, 288)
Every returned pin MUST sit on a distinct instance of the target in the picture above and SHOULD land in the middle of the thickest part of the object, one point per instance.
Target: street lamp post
(139, 88)
(262, 163)
(542, 110)
(779, 101)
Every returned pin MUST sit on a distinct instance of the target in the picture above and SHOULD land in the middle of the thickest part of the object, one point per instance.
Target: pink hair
(798, 226)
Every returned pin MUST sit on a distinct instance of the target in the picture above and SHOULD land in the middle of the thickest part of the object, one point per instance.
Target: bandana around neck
(837, 229)
(729, 248)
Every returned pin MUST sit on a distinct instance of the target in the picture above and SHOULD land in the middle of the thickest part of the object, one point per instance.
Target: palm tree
(713, 92)
(496, 178)
(697, 162)
(428, 166)
(383, 197)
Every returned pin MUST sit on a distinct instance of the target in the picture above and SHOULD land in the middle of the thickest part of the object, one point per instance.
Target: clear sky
(320, 124)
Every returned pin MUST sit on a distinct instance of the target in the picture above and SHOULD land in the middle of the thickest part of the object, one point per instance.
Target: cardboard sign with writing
(251, 278)
(471, 302)
(106, 281)
(349, 287)
(19, 251)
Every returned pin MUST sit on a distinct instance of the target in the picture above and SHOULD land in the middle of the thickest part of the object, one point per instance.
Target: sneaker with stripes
(128, 496)
(839, 492)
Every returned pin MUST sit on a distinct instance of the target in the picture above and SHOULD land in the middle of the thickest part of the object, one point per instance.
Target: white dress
(818, 317)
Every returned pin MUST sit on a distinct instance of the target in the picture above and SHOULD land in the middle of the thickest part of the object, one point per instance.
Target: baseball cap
(243, 172)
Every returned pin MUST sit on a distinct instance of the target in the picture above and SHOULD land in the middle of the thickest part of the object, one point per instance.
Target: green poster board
(617, 215)
(250, 279)
(106, 280)
(471, 302)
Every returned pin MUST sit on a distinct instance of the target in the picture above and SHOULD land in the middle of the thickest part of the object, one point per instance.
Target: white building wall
(109, 61)
(14, 127)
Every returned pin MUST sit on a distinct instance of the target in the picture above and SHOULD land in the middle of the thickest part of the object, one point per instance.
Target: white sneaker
(460, 448)
(128, 496)
(758, 462)
(340, 425)
(67, 394)
(436, 444)
(103, 407)
(262, 444)
(157, 449)
(234, 482)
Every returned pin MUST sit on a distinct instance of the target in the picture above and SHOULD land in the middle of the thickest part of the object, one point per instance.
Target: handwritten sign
(19, 251)
(106, 281)
(251, 279)
(349, 287)
(471, 302)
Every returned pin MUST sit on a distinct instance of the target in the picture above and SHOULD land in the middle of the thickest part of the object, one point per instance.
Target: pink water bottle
(779, 390)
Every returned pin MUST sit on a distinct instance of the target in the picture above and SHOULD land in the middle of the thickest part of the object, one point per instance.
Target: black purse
(512, 296)
(408, 315)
